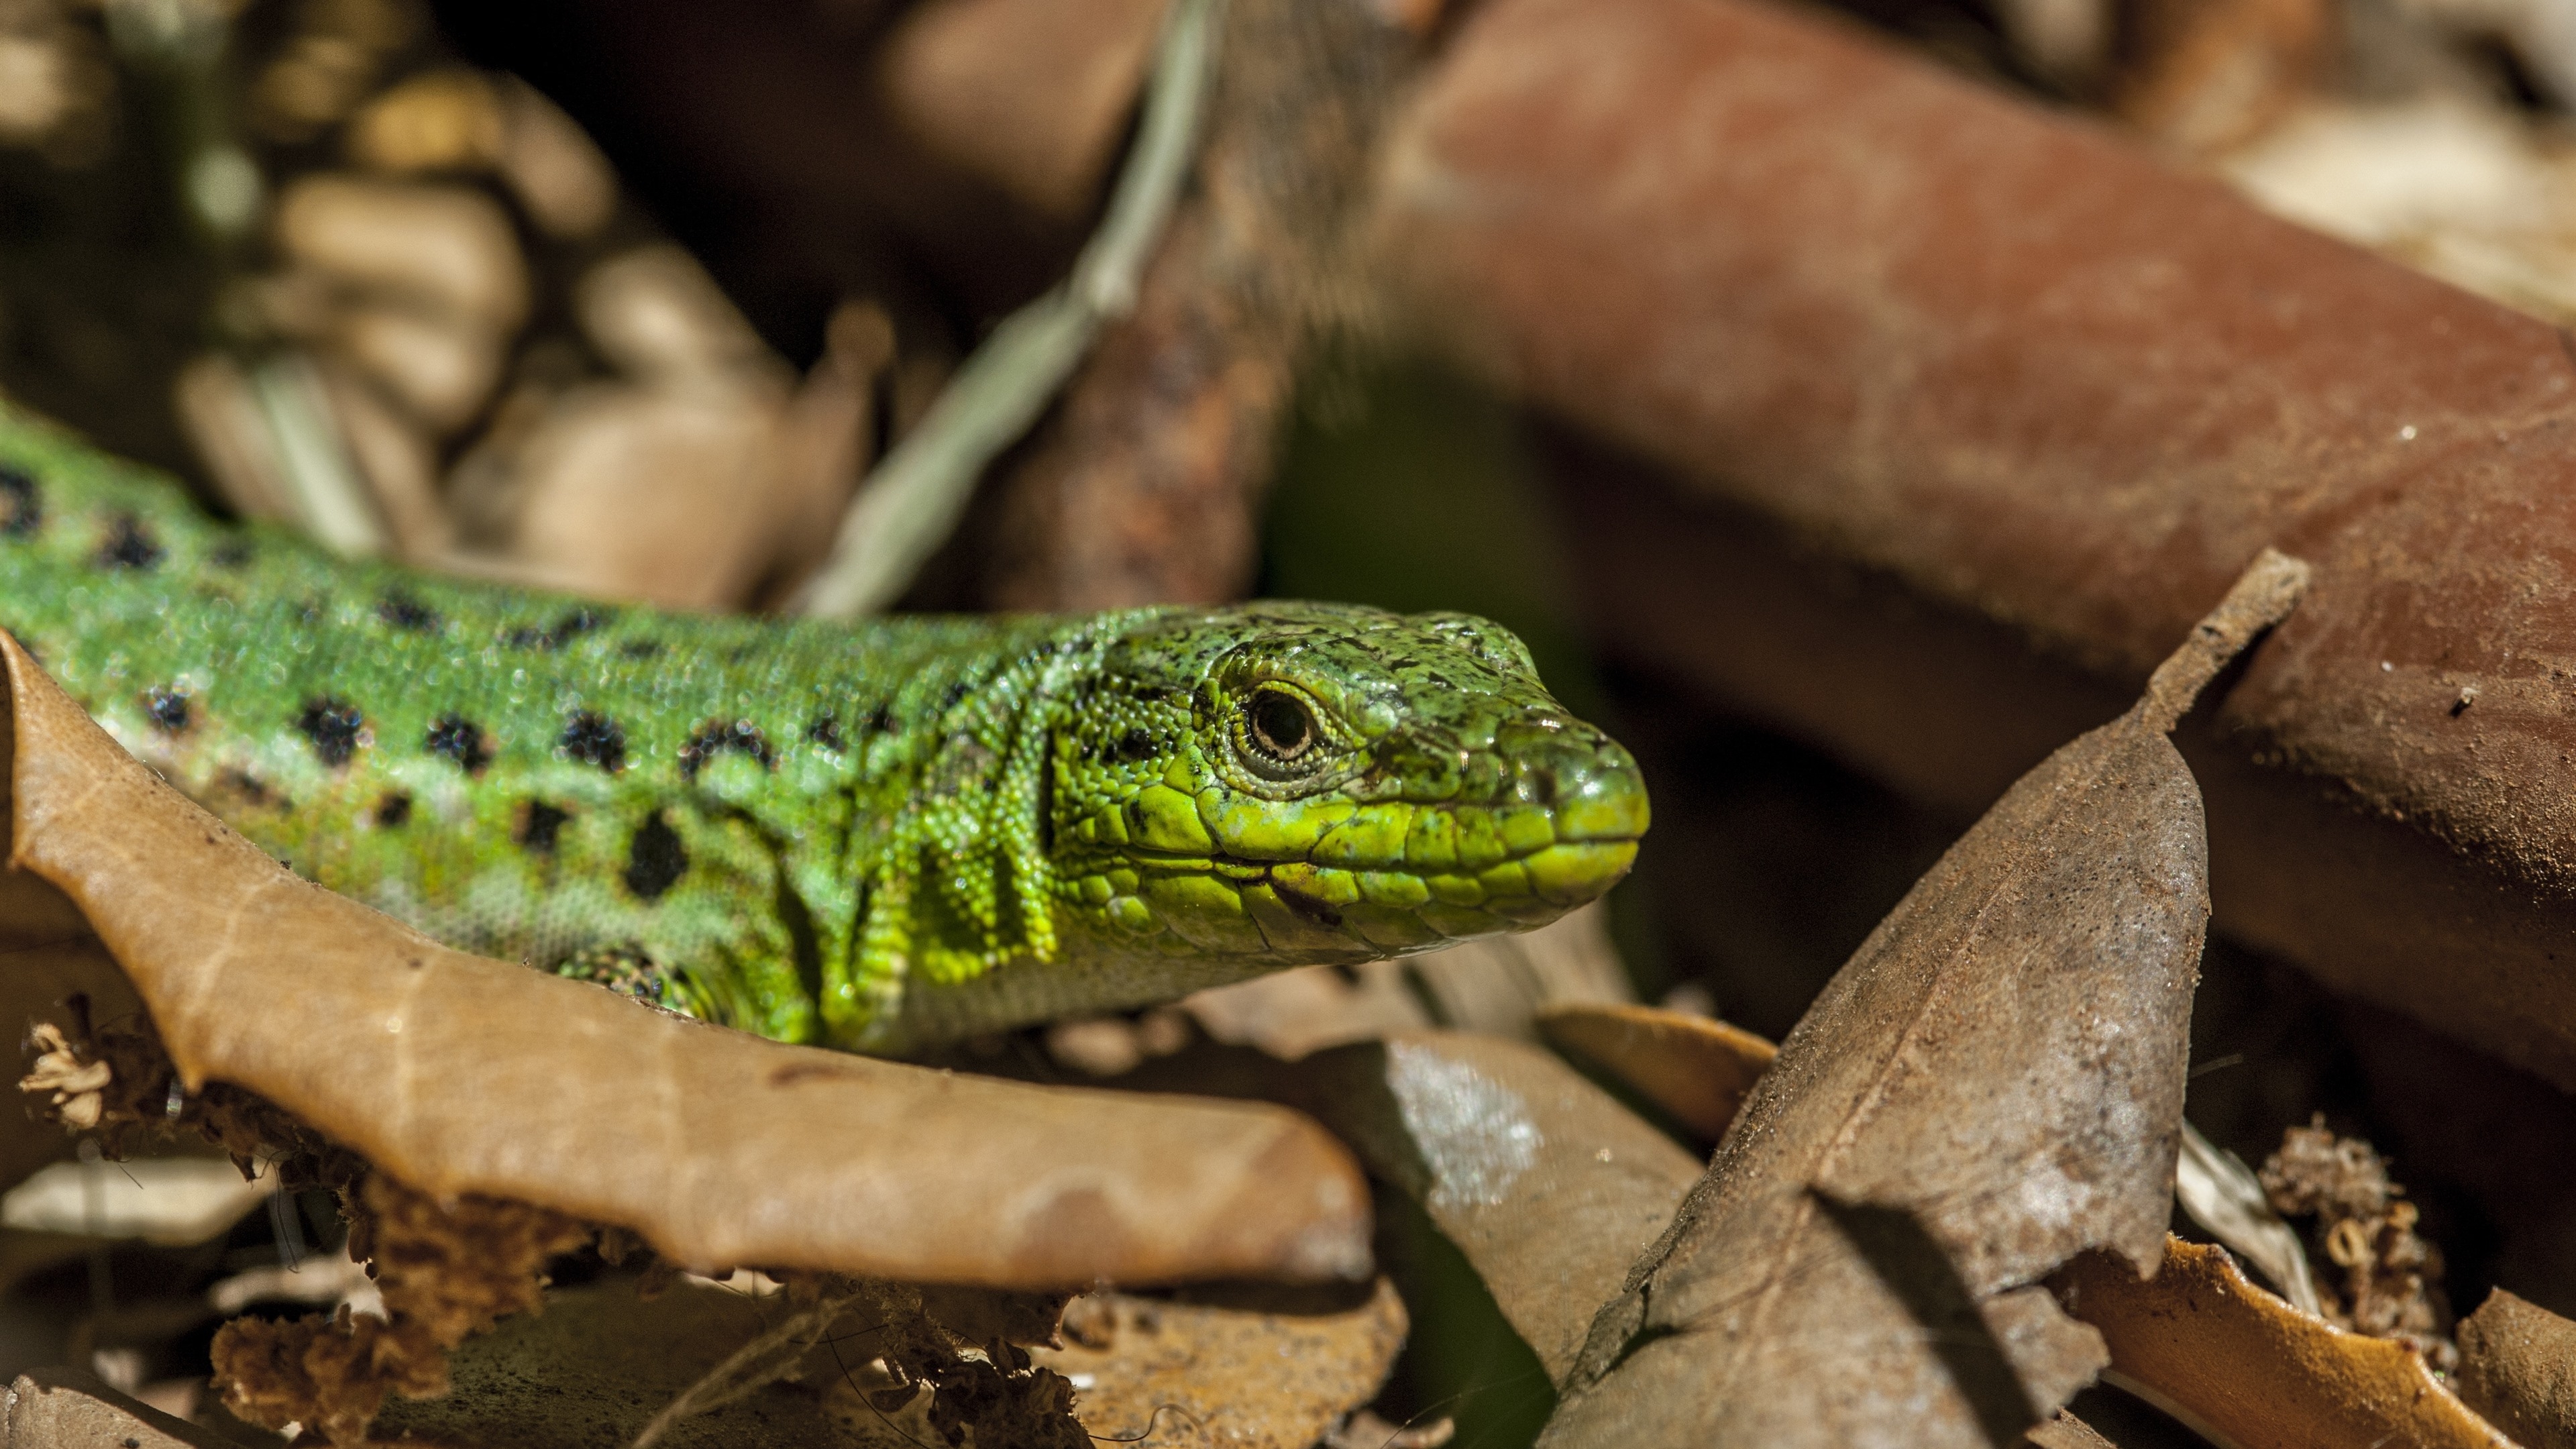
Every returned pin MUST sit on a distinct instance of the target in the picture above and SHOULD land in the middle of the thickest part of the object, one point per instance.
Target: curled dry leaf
(2518, 1368)
(1543, 1180)
(2220, 1193)
(1697, 1069)
(1260, 1369)
(2222, 1354)
(459, 1074)
(1991, 1085)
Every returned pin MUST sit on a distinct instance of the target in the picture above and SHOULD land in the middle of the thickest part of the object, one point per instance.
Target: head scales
(1285, 784)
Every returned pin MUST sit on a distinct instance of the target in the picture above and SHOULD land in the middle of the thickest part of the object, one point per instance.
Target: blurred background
(632, 299)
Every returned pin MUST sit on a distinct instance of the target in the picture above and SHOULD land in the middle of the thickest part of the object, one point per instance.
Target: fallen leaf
(1991, 1085)
(1547, 1184)
(670, 496)
(461, 1075)
(2065, 1431)
(2220, 1193)
(1498, 985)
(171, 1201)
(448, 249)
(552, 165)
(1695, 1068)
(51, 1406)
(2518, 1368)
(1259, 1369)
(2204, 1343)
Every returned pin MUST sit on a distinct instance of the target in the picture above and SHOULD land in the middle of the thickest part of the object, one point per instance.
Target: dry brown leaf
(553, 166)
(2208, 1345)
(2065, 1431)
(448, 249)
(1991, 1085)
(1693, 1067)
(47, 1407)
(459, 1075)
(2518, 1368)
(1266, 1369)
(1543, 1180)
(670, 496)
(1497, 985)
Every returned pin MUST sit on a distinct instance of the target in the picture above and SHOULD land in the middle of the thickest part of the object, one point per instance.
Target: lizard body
(876, 836)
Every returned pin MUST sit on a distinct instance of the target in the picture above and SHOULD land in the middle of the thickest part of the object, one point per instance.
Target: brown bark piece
(1262, 1369)
(1697, 1069)
(2038, 389)
(1990, 1086)
(461, 1075)
(1543, 1180)
(2518, 1368)
(2205, 1340)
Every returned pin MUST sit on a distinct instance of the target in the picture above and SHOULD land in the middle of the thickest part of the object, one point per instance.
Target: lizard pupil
(1280, 725)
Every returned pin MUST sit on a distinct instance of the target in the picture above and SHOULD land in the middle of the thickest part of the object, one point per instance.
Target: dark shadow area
(1916, 1270)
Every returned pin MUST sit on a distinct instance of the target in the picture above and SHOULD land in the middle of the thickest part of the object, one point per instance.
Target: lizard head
(1301, 783)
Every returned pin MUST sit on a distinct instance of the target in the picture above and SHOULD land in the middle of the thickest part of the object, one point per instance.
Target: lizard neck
(956, 884)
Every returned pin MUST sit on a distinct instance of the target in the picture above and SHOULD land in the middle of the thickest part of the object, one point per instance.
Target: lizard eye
(1281, 727)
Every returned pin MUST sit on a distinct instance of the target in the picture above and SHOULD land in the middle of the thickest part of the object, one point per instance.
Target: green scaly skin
(877, 836)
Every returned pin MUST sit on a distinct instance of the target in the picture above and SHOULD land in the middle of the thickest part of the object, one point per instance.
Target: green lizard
(877, 836)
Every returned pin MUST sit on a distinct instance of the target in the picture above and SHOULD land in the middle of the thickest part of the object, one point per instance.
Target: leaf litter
(2387, 1279)
(1992, 1085)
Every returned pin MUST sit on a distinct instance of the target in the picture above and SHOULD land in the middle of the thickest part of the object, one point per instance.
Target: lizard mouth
(1344, 880)
(1507, 840)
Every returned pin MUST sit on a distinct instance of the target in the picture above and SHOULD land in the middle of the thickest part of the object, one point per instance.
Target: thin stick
(913, 498)
(736, 1378)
